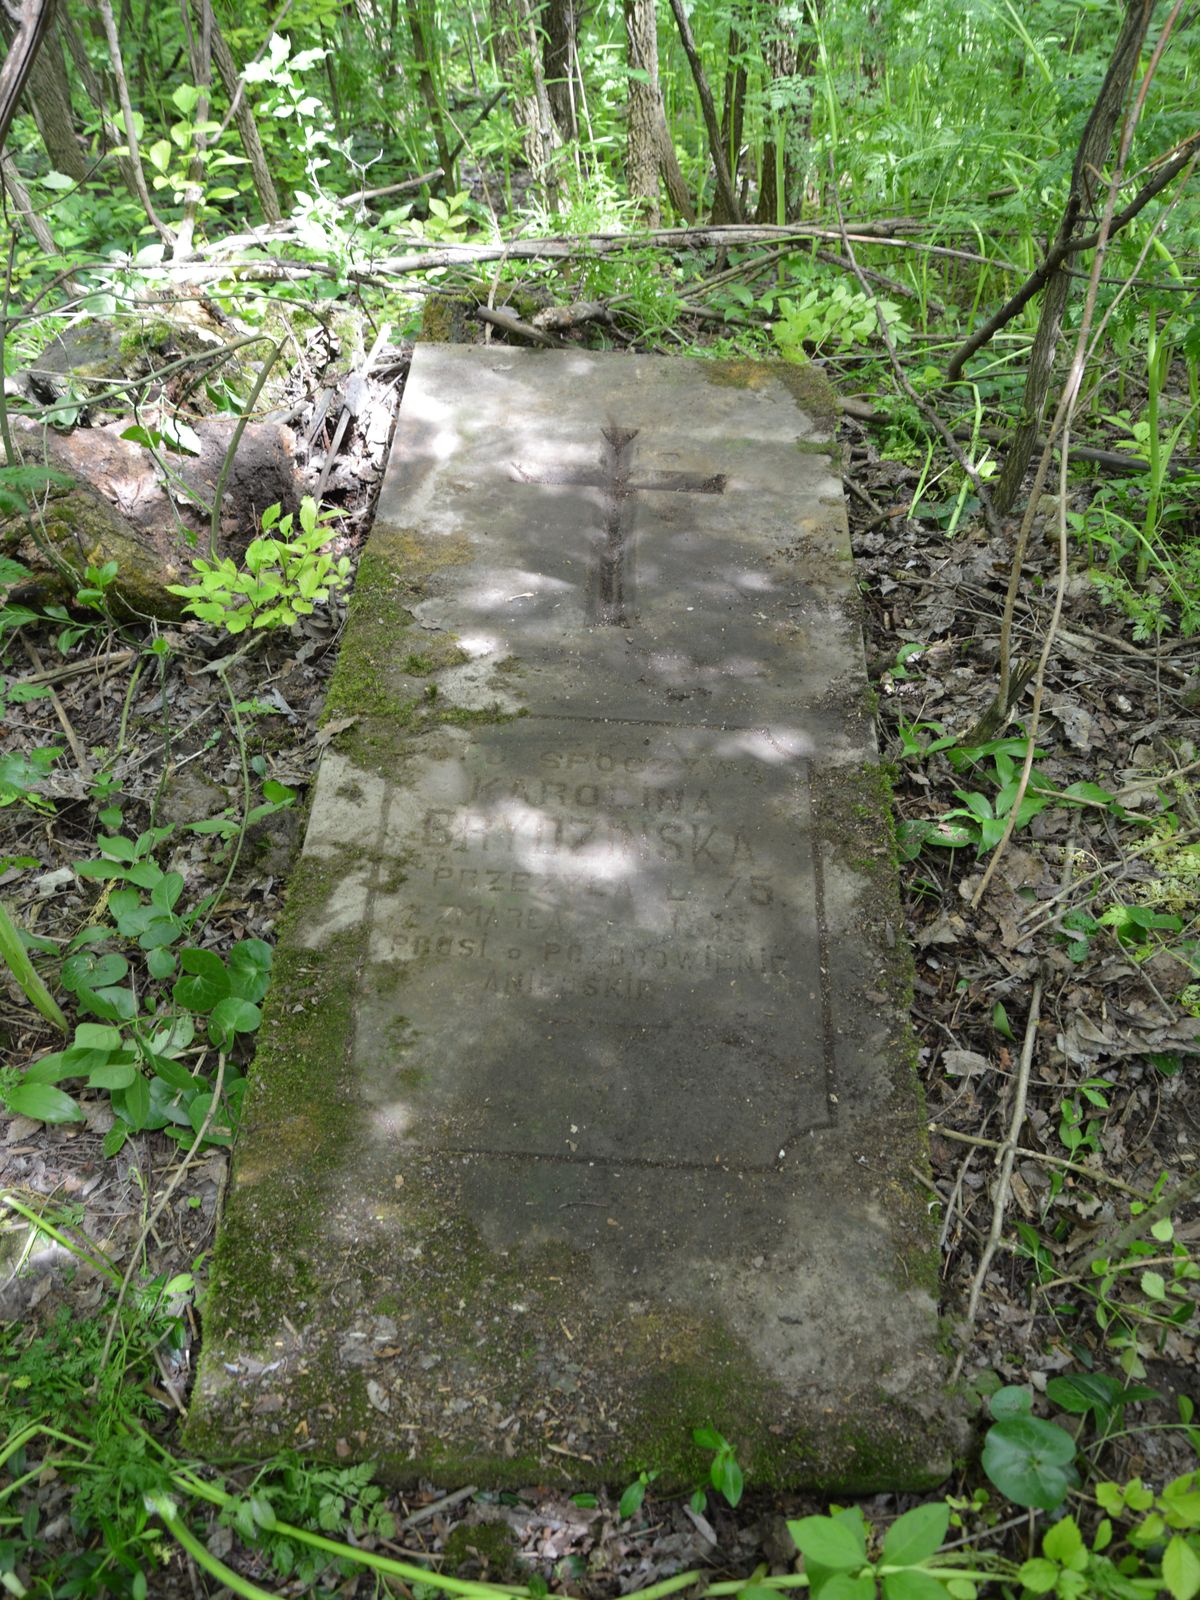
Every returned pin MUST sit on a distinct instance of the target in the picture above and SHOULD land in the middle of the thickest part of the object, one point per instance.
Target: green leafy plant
(635, 1493)
(838, 1565)
(172, 161)
(724, 1473)
(830, 316)
(980, 819)
(16, 958)
(1159, 1550)
(285, 575)
(144, 1049)
(1029, 1460)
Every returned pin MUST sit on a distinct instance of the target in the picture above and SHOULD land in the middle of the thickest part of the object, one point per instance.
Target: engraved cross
(611, 576)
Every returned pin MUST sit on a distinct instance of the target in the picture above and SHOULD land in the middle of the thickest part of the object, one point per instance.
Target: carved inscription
(589, 912)
(595, 874)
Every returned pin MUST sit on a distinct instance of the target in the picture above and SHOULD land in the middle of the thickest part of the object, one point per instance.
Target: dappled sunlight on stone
(617, 1079)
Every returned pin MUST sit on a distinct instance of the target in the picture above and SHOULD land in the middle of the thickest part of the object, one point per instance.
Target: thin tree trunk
(423, 59)
(22, 206)
(783, 60)
(733, 110)
(520, 63)
(131, 140)
(110, 134)
(642, 158)
(721, 167)
(650, 150)
(561, 24)
(672, 176)
(243, 114)
(48, 96)
(33, 24)
(1093, 152)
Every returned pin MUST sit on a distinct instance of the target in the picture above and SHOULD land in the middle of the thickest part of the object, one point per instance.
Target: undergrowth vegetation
(245, 215)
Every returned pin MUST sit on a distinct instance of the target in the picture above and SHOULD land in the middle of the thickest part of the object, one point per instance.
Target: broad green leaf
(731, 1482)
(1180, 1498)
(92, 970)
(114, 1075)
(43, 1102)
(631, 1501)
(232, 1016)
(1181, 1569)
(916, 1535)
(844, 1586)
(831, 1543)
(166, 891)
(1011, 1401)
(160, 963)
(250, 976)
(1064, 1543)
(49, 1069)
(133, 1103)
(912, 1584)
(94, 1036)
(1030, 1461)
(206, 980)
(117, 847)
(1085, 1391)
(173, 1073)
(1038, 1576)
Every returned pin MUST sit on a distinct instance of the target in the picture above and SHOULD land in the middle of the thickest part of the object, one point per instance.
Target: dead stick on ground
(74, 669)
(444, 1504)
(1040, 1155)
(1007, 1155)
(81, 760)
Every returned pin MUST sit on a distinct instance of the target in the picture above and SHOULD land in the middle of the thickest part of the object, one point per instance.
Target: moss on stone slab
(804, 381)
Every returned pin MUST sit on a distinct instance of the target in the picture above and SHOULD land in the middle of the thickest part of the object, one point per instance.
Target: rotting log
(116, 502)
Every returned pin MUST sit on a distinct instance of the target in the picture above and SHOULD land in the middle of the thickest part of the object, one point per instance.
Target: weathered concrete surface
(585, 1113)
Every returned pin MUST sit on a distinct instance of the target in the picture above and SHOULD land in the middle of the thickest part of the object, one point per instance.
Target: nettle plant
(284, 575)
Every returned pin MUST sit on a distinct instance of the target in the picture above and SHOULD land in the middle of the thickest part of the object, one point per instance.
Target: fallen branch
(509, 322)
(1005, 1159)
(1039, 1155)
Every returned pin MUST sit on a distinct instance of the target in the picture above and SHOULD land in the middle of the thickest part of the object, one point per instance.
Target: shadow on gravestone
(585, 1111)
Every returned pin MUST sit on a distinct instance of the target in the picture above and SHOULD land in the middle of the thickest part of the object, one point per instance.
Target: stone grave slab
(585, 1111)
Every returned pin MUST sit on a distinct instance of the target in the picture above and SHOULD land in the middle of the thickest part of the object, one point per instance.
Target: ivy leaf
(92, 971)
(207, 980)
(250, 968)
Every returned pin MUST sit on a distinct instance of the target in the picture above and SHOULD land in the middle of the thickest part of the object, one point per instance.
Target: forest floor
(1112, 1105)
